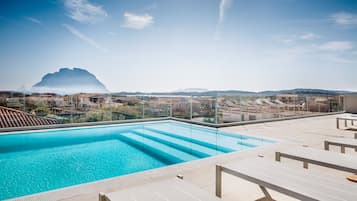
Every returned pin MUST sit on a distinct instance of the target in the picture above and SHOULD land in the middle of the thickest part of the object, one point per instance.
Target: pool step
(160, 151)
(201, 141)
(189, 147)
(223, 137)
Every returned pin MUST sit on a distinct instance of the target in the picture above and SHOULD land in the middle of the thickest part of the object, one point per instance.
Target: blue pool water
(39, 161)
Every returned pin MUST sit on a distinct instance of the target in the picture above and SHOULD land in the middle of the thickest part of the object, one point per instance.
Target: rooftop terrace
(289, 133)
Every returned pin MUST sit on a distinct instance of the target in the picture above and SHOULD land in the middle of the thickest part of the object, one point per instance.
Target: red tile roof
(15, 118)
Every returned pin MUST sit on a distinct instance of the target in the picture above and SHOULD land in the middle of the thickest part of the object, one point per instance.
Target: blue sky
(165, 45)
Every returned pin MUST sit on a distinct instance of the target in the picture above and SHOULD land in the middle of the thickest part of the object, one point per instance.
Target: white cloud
(83, 37)
(344, 19)
(112, 33)
(151, 6)
(34, 20)
(84, 11)
(337, 46)
(223, 6)
(286, 39)
(135, 21)
(340, 60)
(308, 36)
(297, 37)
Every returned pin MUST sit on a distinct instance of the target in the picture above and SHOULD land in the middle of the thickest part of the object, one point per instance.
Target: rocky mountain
(69, 81)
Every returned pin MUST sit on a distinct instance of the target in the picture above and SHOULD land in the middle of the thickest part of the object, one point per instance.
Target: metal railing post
(143, 112)
(216, 111)
(170, 107)
(71, 99)
(240, 109)
(191, 108)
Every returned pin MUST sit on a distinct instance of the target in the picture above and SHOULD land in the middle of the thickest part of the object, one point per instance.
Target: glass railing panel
(203, 109)
(156, 107)
(79, 108)
(14, 100)
(230, 109)
(127, 107)
(181, 107)
(38, 104)
(56, 107)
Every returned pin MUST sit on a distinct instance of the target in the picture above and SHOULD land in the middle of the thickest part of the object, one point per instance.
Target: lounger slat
(346, 118)
(343, 141)
(334, 160)
(298, 183)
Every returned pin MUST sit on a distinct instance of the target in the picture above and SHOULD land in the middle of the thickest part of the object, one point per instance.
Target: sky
(168, 45)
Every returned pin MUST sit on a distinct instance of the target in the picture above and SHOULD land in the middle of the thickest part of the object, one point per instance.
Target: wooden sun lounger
(343, 162)
(341, 142)
(345, 119)
(297, 183)
(167, 190)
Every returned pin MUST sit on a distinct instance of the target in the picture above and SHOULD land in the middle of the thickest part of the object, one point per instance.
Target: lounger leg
(179, 176)
(343, 149)
(218, 180)
(345, 123)
(277, 156)
(327, 146)
(355, 138)
(101, 196)
(306, 165)
(338, 123)
(266, 194)
(352, 122)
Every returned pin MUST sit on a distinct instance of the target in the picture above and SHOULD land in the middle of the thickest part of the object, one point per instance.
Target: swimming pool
(38, 161)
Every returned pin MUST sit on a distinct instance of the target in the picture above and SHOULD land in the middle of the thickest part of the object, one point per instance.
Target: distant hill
(241, 93)
(191, 90)
(69, 81)
(307, 91)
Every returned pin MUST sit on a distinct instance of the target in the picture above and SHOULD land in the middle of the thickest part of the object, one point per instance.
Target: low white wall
(351, 103)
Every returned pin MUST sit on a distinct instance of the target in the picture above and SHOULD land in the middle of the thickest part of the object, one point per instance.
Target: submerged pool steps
(161, 151)
(220, 138)
(189, 147)
(190, 139)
